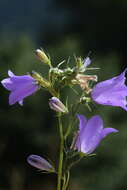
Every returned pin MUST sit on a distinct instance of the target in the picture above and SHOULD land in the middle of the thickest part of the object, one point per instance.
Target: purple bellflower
(111, 92)
(40, 163)
(91, 133)
(20, 87)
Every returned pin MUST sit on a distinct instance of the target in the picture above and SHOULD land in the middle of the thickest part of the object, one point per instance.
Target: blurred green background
(62, 28)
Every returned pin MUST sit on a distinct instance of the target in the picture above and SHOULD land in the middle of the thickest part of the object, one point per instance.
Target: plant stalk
(60, 165)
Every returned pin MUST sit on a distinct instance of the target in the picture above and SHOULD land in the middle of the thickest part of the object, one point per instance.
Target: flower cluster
(112, 92)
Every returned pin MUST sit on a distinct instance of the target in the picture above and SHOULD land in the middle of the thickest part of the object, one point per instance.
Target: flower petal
(111, 92)
(82, 125)
(87, 62)
(10, 73)
(107, 131)
(91, 135)
(21, 102)
(82, 121)
(20, 93)
(7, 83)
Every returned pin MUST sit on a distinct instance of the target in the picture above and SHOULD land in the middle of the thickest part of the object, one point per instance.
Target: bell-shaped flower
(40, 163)
(57, 105)
(91, 133)
(20, 87)
(111, 92)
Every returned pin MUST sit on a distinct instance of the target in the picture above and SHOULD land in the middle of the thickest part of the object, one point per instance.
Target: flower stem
(67, 181)
(72, 121)
(60, 166)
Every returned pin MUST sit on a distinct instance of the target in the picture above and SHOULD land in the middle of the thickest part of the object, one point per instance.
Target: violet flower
(40, 163)
(57, 105)
(20, 87)
(91, 133)
(111, 92)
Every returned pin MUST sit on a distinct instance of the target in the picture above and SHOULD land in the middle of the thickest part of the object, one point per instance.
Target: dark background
(62, 28)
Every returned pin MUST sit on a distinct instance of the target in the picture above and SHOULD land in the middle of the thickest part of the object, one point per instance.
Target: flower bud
(57, 105)
(40, 80)
(79, 62)
(40, 163)
(87, 62)
(42, 57)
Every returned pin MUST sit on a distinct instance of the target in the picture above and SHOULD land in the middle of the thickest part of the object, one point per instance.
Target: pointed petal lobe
(107, 131)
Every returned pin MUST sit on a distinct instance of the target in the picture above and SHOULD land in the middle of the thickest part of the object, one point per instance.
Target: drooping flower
(20, 87)
(40, 163)
(91, 133)
(57, 105)
(111, 92)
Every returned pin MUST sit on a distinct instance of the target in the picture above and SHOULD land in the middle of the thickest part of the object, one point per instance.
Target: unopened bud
(40, 163)
(40, 80)
(87, 62)
(57, 105)
(42, 57)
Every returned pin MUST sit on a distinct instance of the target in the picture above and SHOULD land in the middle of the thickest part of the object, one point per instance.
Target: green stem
(67, 181)
(72, 119)
(75, 162)
(64, 181)
(60, 166)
